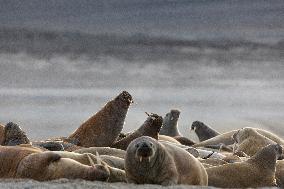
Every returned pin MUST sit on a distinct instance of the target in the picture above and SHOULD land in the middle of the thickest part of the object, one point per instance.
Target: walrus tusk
(234, 147)
(140, 158)
(149, 159)
(91, 161)
(99, 160)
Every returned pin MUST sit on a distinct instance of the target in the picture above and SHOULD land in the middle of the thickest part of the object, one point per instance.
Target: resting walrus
(147, 161)
(170, 124)
(258, 171)
(150, 127)
(104, 127)
(31, 162)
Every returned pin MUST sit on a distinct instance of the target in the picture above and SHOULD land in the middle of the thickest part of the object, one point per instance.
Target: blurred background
(218, 61)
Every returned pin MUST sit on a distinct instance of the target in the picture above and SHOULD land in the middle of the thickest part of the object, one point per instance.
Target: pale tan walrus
(258, 171)
(31, 162)
(104, 127)
(103, 151)
(150, 162)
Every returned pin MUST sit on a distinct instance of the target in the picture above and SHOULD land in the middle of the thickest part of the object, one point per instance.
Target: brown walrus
(258, 171)
(170, 124)
(150, 128)
(148, 161)
(104, 127)
(30, 162)
(203, 131)
(250, 141)
(185, 141)
(14, 135)
(280, 173)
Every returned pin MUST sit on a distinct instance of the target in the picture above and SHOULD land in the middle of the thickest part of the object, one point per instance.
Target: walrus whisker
(91, 161)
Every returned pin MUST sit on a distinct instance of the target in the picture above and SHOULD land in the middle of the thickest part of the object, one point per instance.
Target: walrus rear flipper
(150, 127)
(104, 127)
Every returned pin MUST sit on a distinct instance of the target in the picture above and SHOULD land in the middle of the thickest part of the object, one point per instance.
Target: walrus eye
(151, 144)
(136, 145)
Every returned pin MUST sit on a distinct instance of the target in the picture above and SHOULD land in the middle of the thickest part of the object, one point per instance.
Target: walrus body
(258, 171)
(170, 124)
(203, 131)
(280, 173)
(184, 140)
(150, 162)
(250, 141)
(104, 127)
(226, 138)
(150, 127)
(168, 138)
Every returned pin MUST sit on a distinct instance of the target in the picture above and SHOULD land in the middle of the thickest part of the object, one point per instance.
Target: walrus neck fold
(104, 127)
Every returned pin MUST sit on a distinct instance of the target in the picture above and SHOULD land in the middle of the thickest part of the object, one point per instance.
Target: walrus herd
(155, 153)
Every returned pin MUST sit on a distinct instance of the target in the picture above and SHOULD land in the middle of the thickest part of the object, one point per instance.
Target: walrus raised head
(170, 124)
(148, 161)
(203, 131)
(49, 166)
(258, 171)
(14, 135)
(104, 127)
(150, 127)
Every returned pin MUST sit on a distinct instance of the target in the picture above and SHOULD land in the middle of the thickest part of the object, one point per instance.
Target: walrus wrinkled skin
(46, 166)
(184, 140)
(104, 127)
(2, 134)
(150, 162)
(14, 135)
(250, 141)
(280, 173)
(203, 131)
(170, 124)
(150, 127)
(258, 171)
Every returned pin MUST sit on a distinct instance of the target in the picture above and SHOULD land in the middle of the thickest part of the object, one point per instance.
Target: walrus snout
(196, 124)
(126, 97)
(144, 150)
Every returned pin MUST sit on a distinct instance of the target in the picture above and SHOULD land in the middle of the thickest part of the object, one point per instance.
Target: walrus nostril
(144, 145)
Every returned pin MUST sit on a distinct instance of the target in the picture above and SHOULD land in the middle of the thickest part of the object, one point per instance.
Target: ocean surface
(220, 62)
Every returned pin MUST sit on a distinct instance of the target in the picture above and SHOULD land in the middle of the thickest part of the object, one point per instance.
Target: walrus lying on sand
(150, 127)
(31, 162)
(203, 131)
(103, 151)
(150, 162)
(104, 127)
(227, 139)
(258, 171)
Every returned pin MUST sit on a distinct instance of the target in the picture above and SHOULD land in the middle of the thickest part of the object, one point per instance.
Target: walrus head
(203, 131)
(143, 149)
(14, 135)
(125, 98)
(173, 115)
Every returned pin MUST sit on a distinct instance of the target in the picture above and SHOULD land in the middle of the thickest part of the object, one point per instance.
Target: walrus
(104, 127)
(114, 164)
(258, 171)
(226, 138)
(168, 138)
(2, 134)
(150, 127)
(48, 165)
(103, 151)
(250, 141)
(14, 135)
(170, 124)
(147, 161)
(203, 131)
